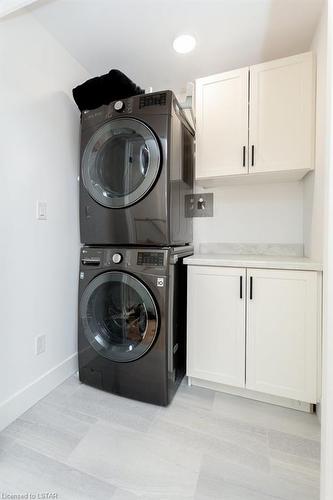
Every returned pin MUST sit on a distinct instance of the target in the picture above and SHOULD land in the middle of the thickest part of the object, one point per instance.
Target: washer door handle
(144, 154)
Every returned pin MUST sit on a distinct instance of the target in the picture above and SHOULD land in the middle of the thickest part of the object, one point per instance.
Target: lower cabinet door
(282, 333)
(216, 324)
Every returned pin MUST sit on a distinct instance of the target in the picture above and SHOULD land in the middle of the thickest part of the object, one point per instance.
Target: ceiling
(9, 6)
(136, 36)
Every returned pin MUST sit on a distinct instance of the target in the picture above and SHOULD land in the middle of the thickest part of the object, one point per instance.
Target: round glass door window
(119, 316)
(120, 163)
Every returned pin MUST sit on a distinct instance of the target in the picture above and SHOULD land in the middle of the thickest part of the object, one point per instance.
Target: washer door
(121, 163)
(119, 316)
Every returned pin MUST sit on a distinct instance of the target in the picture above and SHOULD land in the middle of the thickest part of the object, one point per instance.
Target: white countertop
(254, 261)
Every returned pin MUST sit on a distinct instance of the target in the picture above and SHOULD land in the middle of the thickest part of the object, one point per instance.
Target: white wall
(314, 183)
(262, 213)
(39, 143)
(326, 492)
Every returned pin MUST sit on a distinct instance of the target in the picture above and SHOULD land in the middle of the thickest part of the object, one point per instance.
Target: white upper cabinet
(222, 124)
(281, 123)
(257, 120)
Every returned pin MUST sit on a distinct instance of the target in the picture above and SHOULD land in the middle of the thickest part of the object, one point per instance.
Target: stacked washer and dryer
(137, 170)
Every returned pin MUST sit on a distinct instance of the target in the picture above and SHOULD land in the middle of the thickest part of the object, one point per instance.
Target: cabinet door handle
(241, 287)
(252, 155)
(244, 155)
(251, 288)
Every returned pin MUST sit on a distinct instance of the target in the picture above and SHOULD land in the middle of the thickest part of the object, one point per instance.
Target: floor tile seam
(56, 429)
(62, 406)
(229, 420)
(64, 462)
(264, 443)
(221, 442)
(23, 443)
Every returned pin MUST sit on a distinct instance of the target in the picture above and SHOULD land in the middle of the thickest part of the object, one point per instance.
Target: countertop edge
(238, 261)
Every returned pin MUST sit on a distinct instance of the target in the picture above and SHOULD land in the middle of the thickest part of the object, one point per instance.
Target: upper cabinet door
(281, 126)
(222, 124)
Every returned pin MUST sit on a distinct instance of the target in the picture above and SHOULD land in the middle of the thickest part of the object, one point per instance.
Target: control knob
(118, 106)
(117, 258)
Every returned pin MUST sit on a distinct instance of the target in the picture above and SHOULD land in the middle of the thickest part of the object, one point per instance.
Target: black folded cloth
(104, 89)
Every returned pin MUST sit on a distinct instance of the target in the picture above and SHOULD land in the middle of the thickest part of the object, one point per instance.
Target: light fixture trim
(183, 44)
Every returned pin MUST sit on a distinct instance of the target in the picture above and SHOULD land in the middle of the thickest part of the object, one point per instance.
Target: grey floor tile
(307, 467)
(294, 445)
(167, 497)
(269, 416)
(5, 442)
(61, 394)
(215, 488)
(109, 407)
(295, 475)
(191, 440)
(136, 462)
(223, 475)
(42, 428)
(193, 396)
(85, 443)
(121, 494)
(69, 385)
(23, 470)
(249, 435)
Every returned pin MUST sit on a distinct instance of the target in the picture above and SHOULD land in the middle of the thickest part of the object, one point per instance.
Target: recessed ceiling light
(184, 44)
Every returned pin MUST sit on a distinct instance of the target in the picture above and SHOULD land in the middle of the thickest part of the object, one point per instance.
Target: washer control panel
(150, 258)
(124, 258)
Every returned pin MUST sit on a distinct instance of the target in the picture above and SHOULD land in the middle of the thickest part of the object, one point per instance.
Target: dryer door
(121, 162)
(119, 316)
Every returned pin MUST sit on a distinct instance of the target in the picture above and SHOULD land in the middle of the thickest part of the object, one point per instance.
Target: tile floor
(82, 443)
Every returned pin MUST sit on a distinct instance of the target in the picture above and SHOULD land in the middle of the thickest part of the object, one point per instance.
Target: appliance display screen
(150, 258)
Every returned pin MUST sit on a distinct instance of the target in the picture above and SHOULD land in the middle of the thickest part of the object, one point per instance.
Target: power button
(118, 106)
(117, 258)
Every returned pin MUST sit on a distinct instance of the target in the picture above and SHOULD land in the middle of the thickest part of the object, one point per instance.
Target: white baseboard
(247, 393)
(24, 399)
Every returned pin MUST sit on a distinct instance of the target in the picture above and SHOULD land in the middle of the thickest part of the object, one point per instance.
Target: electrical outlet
(40, 344)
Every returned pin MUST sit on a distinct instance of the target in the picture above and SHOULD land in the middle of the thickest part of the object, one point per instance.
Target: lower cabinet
(255, 328)
(216, 324)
